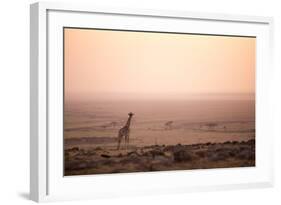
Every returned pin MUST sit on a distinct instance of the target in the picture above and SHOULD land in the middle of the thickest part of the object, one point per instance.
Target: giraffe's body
(125, 132)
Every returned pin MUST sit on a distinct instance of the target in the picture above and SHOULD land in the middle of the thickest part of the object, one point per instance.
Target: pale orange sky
(100, 61)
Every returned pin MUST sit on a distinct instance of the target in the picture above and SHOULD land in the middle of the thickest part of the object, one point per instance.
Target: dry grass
(159, 158)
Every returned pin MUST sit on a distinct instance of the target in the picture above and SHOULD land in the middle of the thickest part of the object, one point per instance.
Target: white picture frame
(47, 182)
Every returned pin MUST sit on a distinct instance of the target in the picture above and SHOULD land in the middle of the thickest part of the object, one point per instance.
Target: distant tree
(211, 125)
(168, 125)
(113, 124)
(104, 126)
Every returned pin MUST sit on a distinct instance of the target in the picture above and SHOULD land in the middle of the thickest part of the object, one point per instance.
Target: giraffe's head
(130, 114)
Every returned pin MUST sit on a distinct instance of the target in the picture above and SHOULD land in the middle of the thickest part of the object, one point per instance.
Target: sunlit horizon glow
(104, 62)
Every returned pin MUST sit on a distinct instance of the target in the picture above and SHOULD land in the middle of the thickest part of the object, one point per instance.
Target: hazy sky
(99, 61)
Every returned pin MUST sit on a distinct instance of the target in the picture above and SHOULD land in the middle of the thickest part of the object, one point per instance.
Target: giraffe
(125, 132)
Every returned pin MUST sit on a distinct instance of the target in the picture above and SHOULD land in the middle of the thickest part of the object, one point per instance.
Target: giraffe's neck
(128, 122)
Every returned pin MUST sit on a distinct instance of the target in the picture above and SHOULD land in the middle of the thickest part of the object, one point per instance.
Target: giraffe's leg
(118, 144)
(126, 142)
(119, 141)
(128, 137)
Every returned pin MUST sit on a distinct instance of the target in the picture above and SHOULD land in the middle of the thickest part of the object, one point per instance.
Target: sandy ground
(106, 160)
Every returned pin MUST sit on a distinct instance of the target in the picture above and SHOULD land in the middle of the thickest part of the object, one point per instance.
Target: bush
(182, 156)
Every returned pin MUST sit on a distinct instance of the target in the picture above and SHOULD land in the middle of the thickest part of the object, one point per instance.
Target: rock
(168, 148)
(82, 152)
(168, 154)
(161, 160)
(73, 149)
(105, 155)
(134, 153)
(89, 153)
